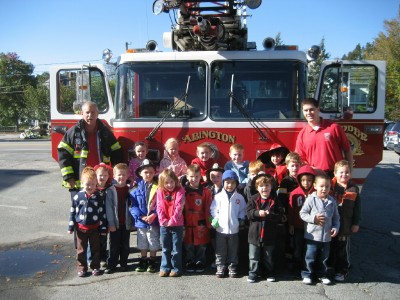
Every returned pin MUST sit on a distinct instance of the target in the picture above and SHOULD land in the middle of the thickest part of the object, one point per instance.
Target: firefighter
(87, 143)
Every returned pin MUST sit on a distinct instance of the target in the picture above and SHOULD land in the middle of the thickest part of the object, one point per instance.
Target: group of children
(279, 205)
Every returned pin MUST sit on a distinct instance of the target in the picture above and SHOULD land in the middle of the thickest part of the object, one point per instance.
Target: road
(34, 211)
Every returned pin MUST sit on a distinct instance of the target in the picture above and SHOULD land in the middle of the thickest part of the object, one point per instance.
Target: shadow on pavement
(11, 177)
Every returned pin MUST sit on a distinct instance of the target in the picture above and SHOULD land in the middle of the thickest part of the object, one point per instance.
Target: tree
(37, 99)
(15, 77)
(387, 47)
(357, 54)
(314, 68)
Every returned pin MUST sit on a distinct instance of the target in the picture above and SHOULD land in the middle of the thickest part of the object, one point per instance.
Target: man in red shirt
(322, 143)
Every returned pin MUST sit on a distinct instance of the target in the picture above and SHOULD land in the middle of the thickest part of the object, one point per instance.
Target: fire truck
(216, 87)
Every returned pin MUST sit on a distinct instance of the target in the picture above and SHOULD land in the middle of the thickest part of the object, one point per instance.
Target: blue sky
(49, 32)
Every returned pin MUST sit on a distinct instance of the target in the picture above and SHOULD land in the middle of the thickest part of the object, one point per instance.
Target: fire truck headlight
(268, 43)
(159, 7)
(313, 52)
(253, 4)
(107, 55)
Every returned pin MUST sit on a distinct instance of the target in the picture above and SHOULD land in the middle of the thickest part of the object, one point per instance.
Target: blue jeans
(263, 253)
(317, 254)
(171, 240)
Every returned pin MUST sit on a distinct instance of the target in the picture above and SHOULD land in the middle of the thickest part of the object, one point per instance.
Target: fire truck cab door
(352, 89)
(70, 87)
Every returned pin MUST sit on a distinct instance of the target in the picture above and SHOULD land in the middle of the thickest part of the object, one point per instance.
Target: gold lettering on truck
(209, 134)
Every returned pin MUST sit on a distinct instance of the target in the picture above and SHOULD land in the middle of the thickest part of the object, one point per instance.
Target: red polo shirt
(323, 147)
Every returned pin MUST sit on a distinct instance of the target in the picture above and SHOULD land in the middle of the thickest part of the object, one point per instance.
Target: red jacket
(197, 216)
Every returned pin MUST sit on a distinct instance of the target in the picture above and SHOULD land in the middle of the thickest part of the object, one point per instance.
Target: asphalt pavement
(37, 258)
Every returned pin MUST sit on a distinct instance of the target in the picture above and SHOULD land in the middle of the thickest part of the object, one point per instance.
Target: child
(255, 167)
(347, 197)
(197, 220)
(119, 220)
(214, 179)
(170, 202)
(321, 215)
(141, 149)
(264, 214)
(204, 159)
(238, 165)
(289, 183)
(228, 211)
(277, 154)
(144, 212)
(305, 178)
(214, 183)
(171, 159)
(104, 178)
(87, 218)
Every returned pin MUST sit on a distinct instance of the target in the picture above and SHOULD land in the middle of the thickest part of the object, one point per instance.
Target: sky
(53, 32)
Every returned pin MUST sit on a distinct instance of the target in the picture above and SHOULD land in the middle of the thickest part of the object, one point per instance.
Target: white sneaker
(307, 280)
(326, 281)
(271, 279)
(251, 279)
(339, 277)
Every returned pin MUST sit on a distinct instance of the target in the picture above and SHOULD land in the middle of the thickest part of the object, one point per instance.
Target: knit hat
(229, 174)
(145, 163)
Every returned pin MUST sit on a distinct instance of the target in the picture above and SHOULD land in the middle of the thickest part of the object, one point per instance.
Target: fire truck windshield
(265, 89)
(148, 91)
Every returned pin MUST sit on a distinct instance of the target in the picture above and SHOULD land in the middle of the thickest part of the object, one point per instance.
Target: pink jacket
(178, 166)
(178, 196)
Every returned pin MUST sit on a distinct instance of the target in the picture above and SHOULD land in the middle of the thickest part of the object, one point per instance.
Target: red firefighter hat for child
(275, 147)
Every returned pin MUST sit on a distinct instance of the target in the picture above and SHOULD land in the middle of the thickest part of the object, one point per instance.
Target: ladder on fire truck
(207, 25)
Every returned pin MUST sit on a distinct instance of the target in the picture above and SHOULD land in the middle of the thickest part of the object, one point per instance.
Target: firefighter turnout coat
(73, 151)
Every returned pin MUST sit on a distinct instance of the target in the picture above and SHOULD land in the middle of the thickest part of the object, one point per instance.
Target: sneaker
(339, 277)
(326, 281)
(151, 267)
(163, 274)
(307, 280)
(109, 271)
(199, 267)
(233, 273)
(175, 274)
(251, 279)
(271, 279)
(142, 266)
(82, 274)
(103, 265)
(220, 272)
(123, 268)
(190, 267)
(96, 272)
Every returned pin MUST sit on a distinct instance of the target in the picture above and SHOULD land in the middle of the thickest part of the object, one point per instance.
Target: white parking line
(12, 206)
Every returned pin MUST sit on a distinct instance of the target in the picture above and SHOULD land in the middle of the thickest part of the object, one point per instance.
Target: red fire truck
(216, 87)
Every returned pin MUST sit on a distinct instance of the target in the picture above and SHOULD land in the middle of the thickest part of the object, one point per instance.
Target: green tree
(15, 77)
(314, 68)
(37, 99)
(357, 54)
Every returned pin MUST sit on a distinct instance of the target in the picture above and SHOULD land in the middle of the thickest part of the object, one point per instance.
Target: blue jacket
(140, 207)
(242, 172)
(87, 211)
